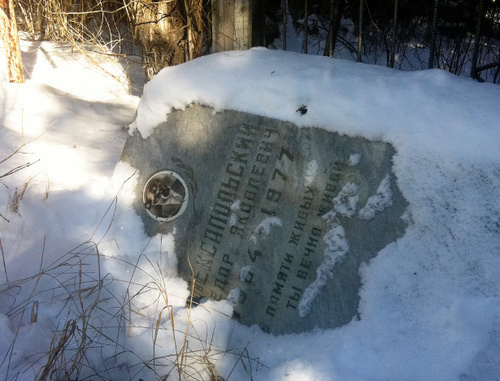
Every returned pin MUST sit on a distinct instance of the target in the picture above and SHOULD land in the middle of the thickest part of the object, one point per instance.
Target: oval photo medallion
(165, 196)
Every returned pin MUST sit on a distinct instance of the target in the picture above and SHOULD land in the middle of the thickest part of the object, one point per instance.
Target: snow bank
(432, 109)
(430, 302)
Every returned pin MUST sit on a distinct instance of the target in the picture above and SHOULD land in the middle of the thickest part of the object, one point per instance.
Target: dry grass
(3, 261)
(94, 321)
(166, 32)
(96, 314)
(18, 194)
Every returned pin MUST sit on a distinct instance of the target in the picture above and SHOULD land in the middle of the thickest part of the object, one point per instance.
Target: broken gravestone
(275, 218)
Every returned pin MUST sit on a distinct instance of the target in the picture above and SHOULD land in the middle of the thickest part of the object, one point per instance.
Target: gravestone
(275, 218)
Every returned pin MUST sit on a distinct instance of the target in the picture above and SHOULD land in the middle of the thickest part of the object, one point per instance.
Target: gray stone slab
(276, 218)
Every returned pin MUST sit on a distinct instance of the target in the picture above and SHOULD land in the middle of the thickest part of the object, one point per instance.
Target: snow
(378, 202)
(403, 108)
(233, 296)
(73, 246)
(245, 271)
(311, 172)
(354, 159)
(336, 247)
(264, 228)
(346, 201)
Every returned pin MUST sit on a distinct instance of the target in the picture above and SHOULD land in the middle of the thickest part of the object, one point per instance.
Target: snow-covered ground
(81, 282)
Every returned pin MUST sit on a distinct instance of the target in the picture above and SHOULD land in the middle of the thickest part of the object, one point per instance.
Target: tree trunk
(432, 50)
(194, 27)
(477, 38)
(232, 22)
(8, 29)
(360, 31)
(168, 32)
(335, 17)
(306, 26)
(394, 29)
(284, 23)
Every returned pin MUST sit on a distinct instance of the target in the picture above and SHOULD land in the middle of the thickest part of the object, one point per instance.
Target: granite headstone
(275, 218)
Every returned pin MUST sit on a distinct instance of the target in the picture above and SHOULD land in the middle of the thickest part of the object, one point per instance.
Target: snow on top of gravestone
(425, 108)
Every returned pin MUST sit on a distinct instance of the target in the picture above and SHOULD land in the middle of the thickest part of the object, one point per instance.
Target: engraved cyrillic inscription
(282, 217)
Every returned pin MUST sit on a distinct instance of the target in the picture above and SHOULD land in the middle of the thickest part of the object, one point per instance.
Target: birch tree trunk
(10, 37)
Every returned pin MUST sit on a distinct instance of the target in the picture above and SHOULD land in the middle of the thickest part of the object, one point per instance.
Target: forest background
(460, 36)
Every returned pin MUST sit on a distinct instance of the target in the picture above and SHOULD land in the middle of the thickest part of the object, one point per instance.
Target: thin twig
(3, 259)
(18, 168)
(23, 145)
(184, 346)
